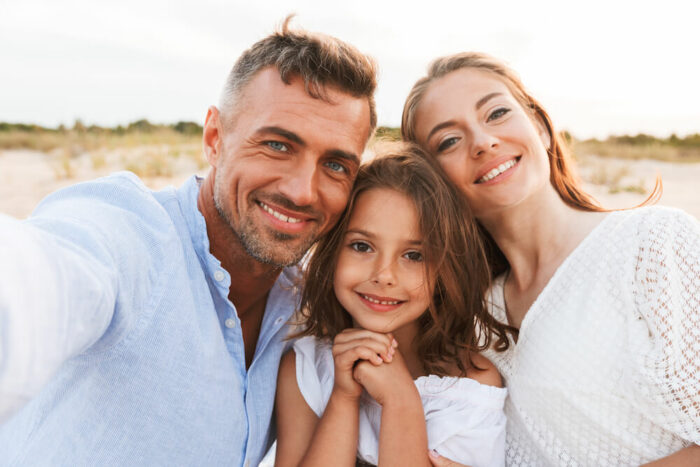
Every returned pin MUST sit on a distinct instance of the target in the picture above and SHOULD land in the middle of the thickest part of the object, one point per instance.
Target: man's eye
(277, 146)
(414, 256)
(361, 247)
(336, 167)
(498, 113)
(449, 142)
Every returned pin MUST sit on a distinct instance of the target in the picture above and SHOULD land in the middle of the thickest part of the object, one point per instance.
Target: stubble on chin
(277, 249)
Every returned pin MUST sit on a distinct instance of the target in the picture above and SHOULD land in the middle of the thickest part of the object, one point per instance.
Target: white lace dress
(464, 419)
(606, 370)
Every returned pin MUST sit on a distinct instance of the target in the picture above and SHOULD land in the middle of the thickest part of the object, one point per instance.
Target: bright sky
(599, 67)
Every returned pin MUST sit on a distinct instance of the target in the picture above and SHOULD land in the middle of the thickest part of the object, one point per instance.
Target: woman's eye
(361, 247)
(444, 145)
(277, 146)
(414, 256)
(498, 113)
(336, 167)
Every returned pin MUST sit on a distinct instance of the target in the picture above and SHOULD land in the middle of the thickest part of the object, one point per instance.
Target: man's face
(284, 164)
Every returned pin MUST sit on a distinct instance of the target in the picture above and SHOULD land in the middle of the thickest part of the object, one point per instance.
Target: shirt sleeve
(78, 276)
(667, 294)
(465, 421)
(55, 301)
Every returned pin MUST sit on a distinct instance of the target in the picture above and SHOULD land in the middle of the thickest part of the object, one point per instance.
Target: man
(146, 328)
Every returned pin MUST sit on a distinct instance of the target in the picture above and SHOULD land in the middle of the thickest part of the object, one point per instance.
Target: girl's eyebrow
(359, 231)
(371, 235)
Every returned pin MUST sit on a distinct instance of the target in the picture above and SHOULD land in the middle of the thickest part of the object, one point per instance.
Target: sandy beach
(28, 176)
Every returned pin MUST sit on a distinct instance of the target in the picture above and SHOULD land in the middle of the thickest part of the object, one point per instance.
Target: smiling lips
(498, 170)
(381, 304)
(284, 220)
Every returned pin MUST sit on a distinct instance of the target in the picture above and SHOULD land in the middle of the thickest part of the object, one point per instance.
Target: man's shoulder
(120, 193)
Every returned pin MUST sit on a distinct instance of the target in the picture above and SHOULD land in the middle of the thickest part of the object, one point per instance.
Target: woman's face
(490, 146)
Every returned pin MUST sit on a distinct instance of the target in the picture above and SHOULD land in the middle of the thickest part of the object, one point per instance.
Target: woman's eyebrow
(486, 98)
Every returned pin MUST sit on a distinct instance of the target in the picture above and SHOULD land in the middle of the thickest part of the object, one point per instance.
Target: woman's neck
(538, 234)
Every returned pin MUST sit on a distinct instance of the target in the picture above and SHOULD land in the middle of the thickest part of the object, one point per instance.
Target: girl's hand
(353, 345)
(390, 382)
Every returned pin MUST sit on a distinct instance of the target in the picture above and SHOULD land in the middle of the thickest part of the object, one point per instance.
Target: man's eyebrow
(291, 136)
(486, 98)
(340, 154)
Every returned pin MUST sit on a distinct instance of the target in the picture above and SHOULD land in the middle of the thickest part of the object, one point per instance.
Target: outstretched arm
(42, 323)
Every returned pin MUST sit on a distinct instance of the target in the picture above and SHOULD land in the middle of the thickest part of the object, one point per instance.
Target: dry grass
(654, 150)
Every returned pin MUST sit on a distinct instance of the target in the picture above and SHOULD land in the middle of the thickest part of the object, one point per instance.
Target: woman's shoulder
(651, 218)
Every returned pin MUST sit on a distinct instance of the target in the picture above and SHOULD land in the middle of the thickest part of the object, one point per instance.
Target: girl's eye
(336, 167)
(446, 144)
(277, 146)
(498, 113)
(414, 256)
(361, 247)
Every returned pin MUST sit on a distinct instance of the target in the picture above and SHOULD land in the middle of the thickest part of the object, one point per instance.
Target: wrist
(404, 399)
(343, 398)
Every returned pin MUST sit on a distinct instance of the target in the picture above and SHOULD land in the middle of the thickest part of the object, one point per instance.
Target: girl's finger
(348, 358)
(386, 352)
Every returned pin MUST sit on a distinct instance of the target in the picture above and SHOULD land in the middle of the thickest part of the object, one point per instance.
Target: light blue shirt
(164, 381)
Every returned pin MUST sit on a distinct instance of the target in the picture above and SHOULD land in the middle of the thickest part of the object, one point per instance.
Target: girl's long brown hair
(457, 322)
(562, 171)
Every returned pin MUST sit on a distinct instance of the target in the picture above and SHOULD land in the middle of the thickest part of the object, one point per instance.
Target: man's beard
(273, 251)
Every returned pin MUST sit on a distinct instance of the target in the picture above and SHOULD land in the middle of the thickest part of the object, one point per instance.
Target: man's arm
(42, 321)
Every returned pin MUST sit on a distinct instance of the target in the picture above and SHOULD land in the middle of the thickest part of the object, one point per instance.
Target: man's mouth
(498, 170)
(279, 215)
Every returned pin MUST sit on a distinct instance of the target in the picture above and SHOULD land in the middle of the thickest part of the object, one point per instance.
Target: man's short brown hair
(319, 60)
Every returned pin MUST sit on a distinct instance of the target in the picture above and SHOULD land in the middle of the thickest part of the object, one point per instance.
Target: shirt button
(230, 323)
(279, 320)
(219, 275)
(247, 463)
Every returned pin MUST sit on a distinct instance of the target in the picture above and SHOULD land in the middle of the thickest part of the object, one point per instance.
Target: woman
(606, 367)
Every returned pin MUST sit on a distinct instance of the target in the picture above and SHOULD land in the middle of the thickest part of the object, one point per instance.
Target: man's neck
(251, 280)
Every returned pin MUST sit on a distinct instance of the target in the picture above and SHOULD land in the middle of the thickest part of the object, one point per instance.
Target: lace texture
(606, 370)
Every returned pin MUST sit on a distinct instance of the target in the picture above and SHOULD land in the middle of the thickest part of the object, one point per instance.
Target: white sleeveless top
(464, 418)
(606, 370)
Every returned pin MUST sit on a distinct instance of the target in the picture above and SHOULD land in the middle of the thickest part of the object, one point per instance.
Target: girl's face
(380, 278)
(489, 145)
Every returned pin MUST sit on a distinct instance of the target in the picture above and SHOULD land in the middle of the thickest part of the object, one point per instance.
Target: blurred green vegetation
(142, 132)
(81, 137)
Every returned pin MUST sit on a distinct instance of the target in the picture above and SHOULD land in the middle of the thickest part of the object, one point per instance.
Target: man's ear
(211, 137)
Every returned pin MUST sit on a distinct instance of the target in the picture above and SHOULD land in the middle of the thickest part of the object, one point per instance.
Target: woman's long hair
(457, 322)
(562, 173)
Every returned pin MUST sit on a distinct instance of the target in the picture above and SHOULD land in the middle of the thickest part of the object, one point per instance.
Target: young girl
(394, 317)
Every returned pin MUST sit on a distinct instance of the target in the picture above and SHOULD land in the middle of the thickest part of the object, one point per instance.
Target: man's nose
(300, 183)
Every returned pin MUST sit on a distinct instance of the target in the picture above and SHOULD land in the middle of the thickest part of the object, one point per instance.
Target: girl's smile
(380, 275)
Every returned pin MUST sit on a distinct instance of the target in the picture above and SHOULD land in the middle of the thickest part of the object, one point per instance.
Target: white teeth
(380, 302)
(278, 215)
(497, 171)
